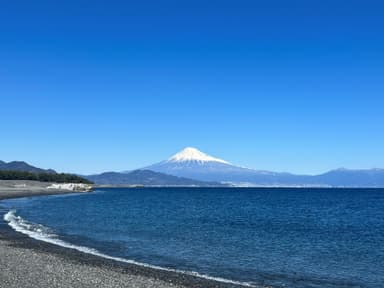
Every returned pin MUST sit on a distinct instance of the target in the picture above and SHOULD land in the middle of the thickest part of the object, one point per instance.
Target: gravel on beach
(29, 263)
(22, 267)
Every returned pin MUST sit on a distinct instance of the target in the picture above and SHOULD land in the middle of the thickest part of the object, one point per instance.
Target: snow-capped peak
(193, 154)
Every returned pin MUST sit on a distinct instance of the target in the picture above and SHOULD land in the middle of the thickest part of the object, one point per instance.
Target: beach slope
(29, 263)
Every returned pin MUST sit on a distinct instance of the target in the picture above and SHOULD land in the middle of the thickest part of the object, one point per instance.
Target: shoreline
(20, 254)
(10, 189)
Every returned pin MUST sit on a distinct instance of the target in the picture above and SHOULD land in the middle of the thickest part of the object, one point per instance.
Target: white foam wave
(42, 233)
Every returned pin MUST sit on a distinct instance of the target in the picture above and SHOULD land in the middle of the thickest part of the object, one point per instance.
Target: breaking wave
(42, 233)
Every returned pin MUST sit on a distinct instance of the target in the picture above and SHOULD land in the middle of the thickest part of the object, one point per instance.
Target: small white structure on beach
(71, 186)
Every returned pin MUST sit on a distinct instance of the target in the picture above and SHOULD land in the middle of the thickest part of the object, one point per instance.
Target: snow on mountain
(192, 154)
(194, 164)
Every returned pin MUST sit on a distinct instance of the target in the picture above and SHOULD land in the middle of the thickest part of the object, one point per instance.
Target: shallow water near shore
(278, 237)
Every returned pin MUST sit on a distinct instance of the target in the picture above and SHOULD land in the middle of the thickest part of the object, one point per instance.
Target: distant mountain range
(192, 163)
(191, 167)
(22, 166)
(147, 178)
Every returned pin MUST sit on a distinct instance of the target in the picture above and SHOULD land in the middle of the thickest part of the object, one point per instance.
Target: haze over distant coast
(191, 167)
(194, 164)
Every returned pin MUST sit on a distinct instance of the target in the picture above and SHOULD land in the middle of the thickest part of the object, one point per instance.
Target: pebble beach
(29, 263)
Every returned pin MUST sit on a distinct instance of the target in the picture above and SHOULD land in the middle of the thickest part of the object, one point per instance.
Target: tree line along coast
(43, 177)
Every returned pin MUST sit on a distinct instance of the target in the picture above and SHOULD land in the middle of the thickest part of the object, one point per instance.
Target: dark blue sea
(277, 237)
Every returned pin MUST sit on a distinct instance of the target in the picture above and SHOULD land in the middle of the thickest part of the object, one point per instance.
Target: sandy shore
(25, 262)
(18, 188)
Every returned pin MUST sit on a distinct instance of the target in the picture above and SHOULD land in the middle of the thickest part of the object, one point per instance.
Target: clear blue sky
(89, 86)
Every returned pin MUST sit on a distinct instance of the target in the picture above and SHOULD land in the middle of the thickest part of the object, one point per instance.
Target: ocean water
(277, 237)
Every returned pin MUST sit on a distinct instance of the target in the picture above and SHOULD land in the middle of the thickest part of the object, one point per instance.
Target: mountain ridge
(191, 167)
(223, 171)
(23, 166)
(147, 178)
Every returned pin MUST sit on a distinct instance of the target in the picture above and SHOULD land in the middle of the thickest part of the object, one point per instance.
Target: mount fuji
(194, 164)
